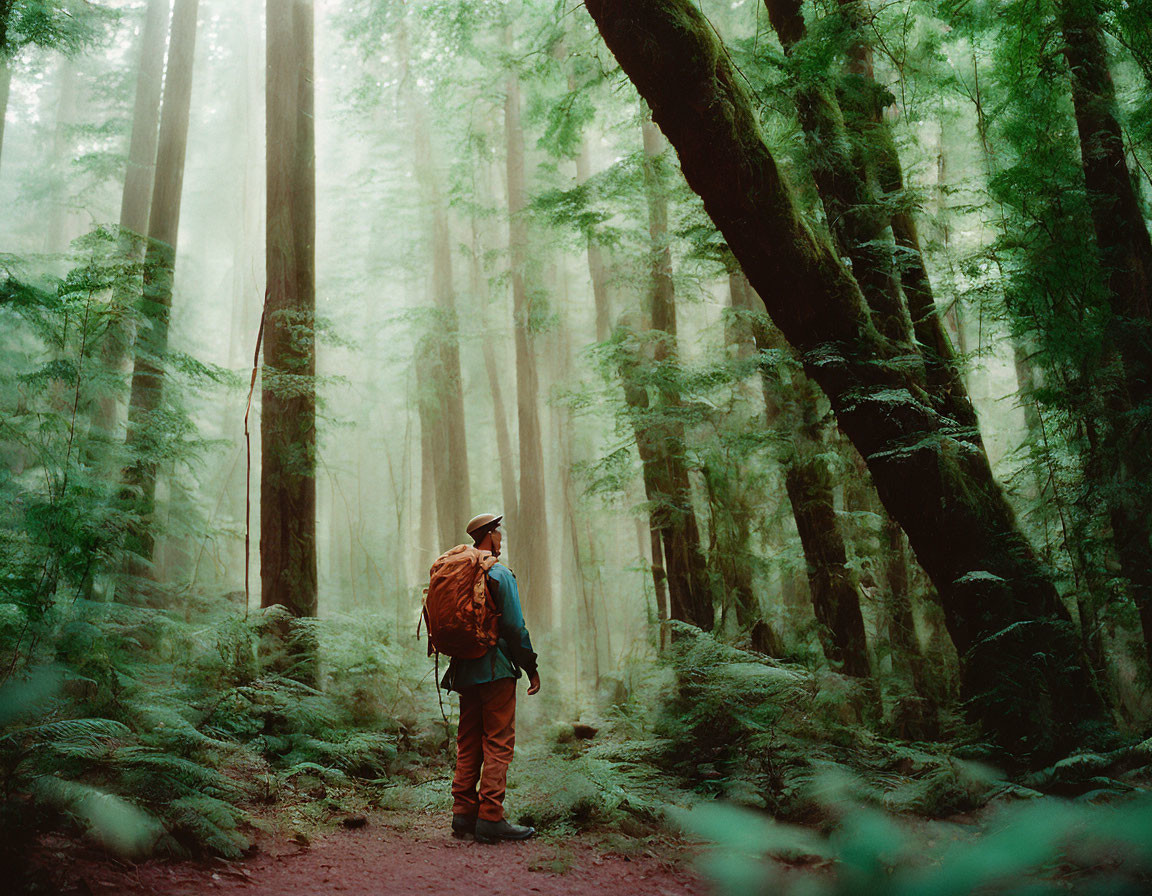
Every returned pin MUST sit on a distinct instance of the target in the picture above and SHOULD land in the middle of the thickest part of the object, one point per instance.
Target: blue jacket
(512, 652)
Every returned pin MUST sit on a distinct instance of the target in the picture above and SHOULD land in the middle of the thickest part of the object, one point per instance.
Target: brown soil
(411, 853)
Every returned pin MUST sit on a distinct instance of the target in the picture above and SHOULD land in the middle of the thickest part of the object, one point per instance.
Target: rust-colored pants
(484, 746)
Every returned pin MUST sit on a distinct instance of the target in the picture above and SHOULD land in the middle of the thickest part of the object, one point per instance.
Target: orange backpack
(461, 617)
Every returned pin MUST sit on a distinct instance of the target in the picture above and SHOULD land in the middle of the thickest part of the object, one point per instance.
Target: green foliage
(1043, 276)
(1043, 847)
(767, 734)
(582, 791)
(68, 25)
(145, 715)
(194, 729)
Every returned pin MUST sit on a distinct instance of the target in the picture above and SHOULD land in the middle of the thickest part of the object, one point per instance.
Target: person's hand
(534, 683)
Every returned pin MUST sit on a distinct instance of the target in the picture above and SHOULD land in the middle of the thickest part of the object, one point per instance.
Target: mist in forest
(804, 348)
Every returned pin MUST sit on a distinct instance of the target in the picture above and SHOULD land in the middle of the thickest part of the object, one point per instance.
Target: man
(487, 688)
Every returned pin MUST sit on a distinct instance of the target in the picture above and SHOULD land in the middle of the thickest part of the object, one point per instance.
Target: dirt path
(406, 853)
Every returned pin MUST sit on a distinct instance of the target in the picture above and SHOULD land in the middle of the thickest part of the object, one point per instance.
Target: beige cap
(483, 521)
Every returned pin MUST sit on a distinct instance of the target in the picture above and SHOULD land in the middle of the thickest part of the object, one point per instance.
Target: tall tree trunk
(1026, 679)
(144, 428)
(689, 590)
(453, 489)
(503, 436)
(730, 534)
(5, 87)
(637, 398)
(741, 336)
(1126, 254)
(597, 267)
(577, 595)
(135, 200)
(1089, 575)
(56, 230)
(431, 545)
(530, 538)
(944, 372)
(288, 420)
(496, 388)
(794, 410)
(1117, 218)
(897, 604)
(138, 179)
(879, 175)
(835, 596)
(670, 604)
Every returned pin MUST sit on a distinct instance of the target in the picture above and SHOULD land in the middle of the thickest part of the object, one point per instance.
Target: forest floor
(410, 852)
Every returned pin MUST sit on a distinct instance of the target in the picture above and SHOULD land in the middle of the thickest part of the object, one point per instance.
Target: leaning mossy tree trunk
(1025, 678)
(857, 219)
(857, 171)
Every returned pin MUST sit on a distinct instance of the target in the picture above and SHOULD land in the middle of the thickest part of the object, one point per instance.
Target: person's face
(497, 537)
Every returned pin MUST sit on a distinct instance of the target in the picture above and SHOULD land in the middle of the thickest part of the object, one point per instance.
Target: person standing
(487, 689)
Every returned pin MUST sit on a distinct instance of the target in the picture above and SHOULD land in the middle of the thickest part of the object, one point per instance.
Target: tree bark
(499, 411)
(1126, 254)
(852, 208)
(145, 425)
(5, 87)
(288, 421)
(729, 552)
(137, 194)
(689, 590)
(794, 411)
(57, 229)
(431, 545)
(659, 584)
(597, 267)
(637, 398)
(135, 201)
(1117, 217)
(530, 538)
(669, 605)
(852, 201)
(835, 597)
(897, 605)
(881, 176)
(1025, 678)
(453, 488)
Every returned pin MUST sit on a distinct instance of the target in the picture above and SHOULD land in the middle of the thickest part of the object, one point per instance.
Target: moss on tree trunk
(1025, 678)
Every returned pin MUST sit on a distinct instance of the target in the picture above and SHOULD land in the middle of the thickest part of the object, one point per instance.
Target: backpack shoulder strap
(494, 591)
